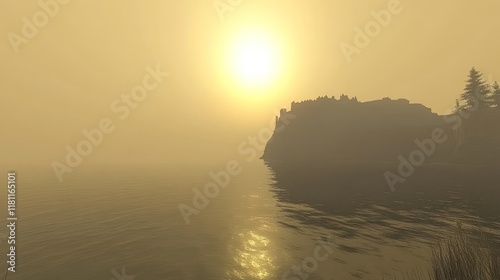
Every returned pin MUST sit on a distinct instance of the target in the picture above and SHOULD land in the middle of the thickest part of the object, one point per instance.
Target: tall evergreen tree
(496, 95)
(476, 94)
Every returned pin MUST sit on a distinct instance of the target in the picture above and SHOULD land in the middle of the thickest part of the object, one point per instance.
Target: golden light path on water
(254, 256)
(253, 246)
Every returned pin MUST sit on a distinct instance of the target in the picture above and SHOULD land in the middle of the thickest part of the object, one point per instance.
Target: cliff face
(478, 136)
(348, 130)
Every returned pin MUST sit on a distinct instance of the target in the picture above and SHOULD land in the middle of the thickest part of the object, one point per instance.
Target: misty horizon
(77, 68)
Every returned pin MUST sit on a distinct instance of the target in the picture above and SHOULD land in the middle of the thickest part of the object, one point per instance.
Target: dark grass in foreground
(462, 256)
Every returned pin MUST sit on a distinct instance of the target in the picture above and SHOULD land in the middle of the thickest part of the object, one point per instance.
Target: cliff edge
(381, 131)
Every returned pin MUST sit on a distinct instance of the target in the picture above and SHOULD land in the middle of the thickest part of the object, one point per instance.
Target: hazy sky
(66, 77)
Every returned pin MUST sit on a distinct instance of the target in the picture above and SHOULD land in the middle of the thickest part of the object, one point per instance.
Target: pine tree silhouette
(496, 95)
(476, 94)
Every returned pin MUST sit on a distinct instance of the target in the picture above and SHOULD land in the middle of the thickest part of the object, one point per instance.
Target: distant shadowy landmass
(383, 130)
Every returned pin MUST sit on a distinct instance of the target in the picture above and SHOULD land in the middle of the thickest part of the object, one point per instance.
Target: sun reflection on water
(253, 257)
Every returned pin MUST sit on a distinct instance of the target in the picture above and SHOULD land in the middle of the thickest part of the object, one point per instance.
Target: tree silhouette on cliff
(476, 95)
(496, 95)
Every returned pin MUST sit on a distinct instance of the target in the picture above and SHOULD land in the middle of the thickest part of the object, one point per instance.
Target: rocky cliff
(381, 130)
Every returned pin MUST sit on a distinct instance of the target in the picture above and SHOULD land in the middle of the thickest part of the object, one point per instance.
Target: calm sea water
(124, 222)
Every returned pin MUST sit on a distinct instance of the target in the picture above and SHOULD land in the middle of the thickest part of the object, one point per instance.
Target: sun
(254, 60)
